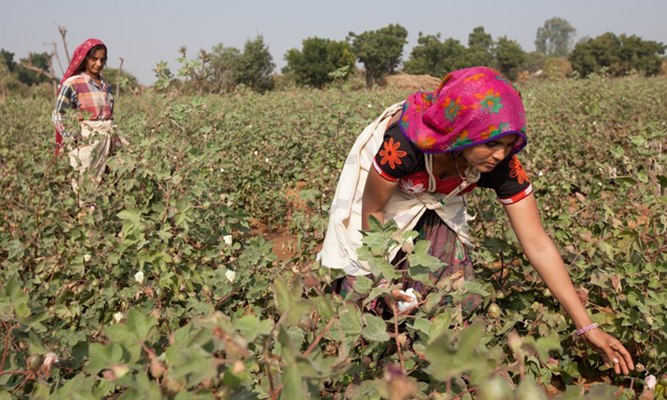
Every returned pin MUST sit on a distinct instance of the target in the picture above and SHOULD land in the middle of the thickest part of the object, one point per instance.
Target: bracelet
(585, 329)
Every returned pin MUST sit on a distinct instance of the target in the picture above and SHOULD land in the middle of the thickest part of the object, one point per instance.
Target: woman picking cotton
(83, 89)
(415, 163)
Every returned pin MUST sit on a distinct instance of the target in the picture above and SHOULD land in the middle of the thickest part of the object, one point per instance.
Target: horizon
(31, 26)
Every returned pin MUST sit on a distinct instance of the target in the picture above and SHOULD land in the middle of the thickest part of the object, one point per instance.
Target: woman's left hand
(611, 350)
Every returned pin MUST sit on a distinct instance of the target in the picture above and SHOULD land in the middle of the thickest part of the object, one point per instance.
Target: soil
(283, 243)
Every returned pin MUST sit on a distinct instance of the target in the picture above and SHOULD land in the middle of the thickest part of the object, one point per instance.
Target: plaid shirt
(81, 92)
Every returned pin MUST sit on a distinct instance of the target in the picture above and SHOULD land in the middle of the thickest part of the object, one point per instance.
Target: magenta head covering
(472, 106)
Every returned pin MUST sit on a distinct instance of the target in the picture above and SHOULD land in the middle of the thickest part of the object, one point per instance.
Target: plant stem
(319, 337)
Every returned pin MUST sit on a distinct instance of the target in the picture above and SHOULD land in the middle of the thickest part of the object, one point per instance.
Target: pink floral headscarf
(472, 106)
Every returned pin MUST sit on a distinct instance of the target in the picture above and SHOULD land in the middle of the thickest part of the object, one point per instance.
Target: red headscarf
(78, 59)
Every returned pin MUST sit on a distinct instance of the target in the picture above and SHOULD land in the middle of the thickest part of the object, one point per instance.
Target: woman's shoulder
(74, 79)
(508, 179)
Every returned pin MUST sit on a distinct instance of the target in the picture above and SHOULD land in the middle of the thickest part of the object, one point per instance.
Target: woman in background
(83, 89)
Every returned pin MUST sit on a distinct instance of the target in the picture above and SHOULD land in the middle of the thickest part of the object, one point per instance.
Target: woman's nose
(499, 154)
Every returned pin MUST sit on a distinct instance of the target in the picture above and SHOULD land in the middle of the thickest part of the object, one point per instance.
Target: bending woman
(415, 163)
(85, 90)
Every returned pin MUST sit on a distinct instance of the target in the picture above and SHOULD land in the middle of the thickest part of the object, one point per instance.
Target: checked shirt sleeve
(67, 99)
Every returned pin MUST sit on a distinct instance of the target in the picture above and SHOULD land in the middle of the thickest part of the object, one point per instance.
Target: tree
(222, 65)
(555, 38)
(434, 57)
(534, 61)
(32, 77)
(619, 55)
(317, 59)
(398, 35)
(255, 66)
(8, 80)
(380, 51)
(509, 57)
(7, 58)
(480, 44)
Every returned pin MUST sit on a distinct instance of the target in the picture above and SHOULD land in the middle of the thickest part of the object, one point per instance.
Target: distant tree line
(38, 70)
(320, 61)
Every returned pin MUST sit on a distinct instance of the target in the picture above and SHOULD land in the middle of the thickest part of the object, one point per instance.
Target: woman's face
(486, 156)
(95, 62)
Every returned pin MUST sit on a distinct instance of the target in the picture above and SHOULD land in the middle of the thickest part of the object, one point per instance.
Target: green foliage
(166, 289)
(509, 57)
(222, 64)
(480, 48)
(124, 79)
(555, 37)
(7, 58)
(534, 61)
(31, 78)
(223, 69)
(436, 58)
(380, 51)
(317, 61)
(254, 66)
(617, 55)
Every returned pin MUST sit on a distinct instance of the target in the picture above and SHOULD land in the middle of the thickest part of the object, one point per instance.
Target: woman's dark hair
(92, 51)
(95, 48)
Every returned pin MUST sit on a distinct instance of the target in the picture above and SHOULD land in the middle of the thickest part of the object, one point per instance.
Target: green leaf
(102, 357)
(351, 323)
(432, 301)
(362, 285)
(475, 288)
(420, 257)
(377, 291)
(663, 180)
(422, 325)
(286, 298)
(141, 325)
(294, 387)
(248, 325)
(447, 360)
(420, 274)
(375, 329)
(36, 344)
(529, 390)
(131, 214)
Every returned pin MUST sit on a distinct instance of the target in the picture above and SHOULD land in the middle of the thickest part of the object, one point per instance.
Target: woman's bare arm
(377, 193)
(543, 255)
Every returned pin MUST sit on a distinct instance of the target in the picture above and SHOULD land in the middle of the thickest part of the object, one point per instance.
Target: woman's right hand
(610, 349)
(394, 297)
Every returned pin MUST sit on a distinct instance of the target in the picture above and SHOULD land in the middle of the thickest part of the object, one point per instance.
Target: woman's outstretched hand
(611, 350)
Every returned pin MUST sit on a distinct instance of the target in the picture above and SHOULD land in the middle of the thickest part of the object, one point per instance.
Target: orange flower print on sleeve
(517, 171)
(390, 154)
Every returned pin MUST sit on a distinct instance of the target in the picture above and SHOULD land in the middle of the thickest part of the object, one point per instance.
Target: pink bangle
(585, 329)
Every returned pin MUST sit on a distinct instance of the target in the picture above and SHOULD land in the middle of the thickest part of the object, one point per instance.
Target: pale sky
(145, 32)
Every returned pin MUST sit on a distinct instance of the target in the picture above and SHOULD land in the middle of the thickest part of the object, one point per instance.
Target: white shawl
(343, 237)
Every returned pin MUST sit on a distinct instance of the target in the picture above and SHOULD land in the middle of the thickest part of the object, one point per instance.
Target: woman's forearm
(548, 263)
(364, 218)
(376, 195)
